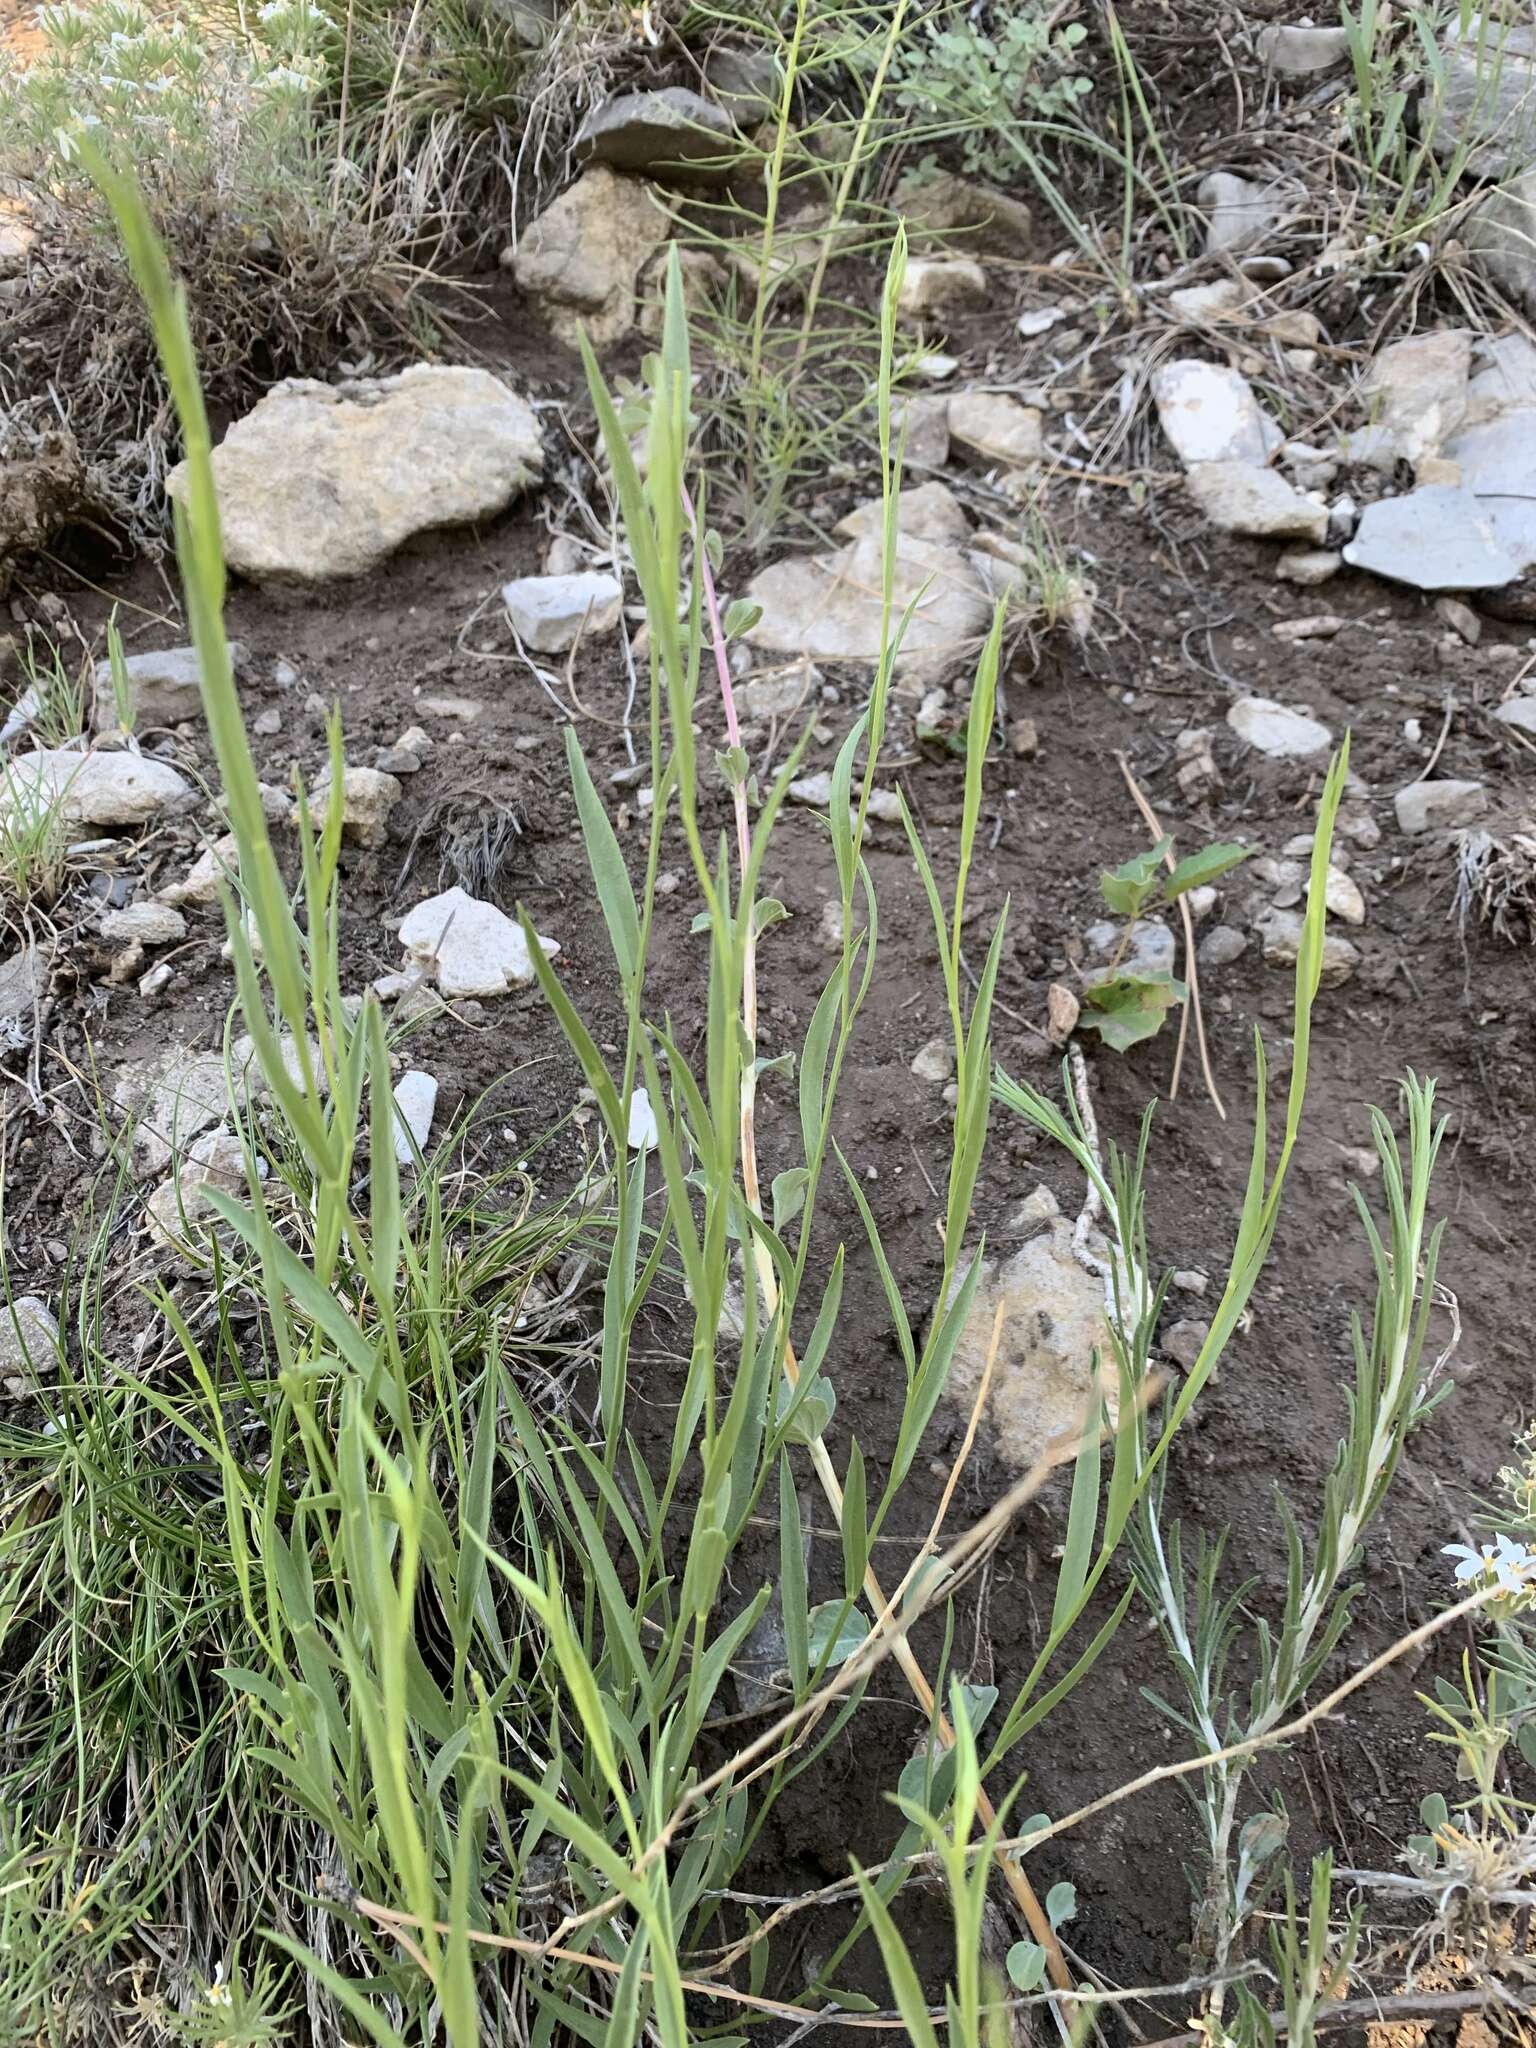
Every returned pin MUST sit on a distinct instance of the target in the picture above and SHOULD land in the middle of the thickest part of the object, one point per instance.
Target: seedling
(1127, 1005)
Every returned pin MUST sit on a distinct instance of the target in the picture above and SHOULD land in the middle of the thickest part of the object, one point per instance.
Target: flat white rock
(29, 1345)
(551, 613)
(1435, 538)
(1276, 730)
(1210, 414)
(471, 948)
(1247, 498)
(1439, 806)
(95, 789)
(415, 1105)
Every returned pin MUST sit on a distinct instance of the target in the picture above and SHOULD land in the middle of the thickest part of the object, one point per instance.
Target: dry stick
(1150, 818)
(1036, 1918)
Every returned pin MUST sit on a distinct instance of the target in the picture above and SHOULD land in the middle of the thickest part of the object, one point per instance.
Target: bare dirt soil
(1183, 620)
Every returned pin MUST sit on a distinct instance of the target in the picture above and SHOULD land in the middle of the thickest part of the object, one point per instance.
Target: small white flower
(1511, 1564)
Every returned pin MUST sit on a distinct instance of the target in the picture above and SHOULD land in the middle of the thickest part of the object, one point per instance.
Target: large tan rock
(582, 257)
(1053, 1324)
(325, 480)
(94, 789)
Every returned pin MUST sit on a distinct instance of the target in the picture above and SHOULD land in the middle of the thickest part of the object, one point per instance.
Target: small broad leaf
(1262, 1837)
(733, 765)
(1204, 867)
(836, 1633)
(1060, 1903)
(1026, 1965)
(927, 1782)
(741, 615)
(809, 1412)
(1433, 1810)
(1129, 1007)
(768, 911)
(714, 547)
(788, 1196)
(979, 1700)
(1128, 888)
(850, 2001)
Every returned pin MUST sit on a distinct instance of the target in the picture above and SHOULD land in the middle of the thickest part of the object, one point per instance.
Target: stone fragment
(1207, 305)
(582, 258)
(1342, 896)
(1520, 712)
(935, 1061)
(323, 481)
(1497, 460)
(669, 129)
(996, 427)
(1439, 806)
(1276, 730)
(163, 688)
(923, 424)
(368, 796)
(170, 1098)
(29, 1346)
(1416, 391)
(469, 947)
(214, 866)
(24, 978)
(1210, 414)
(1434, 538)
(1281, 932)
(1222, 944)
(1301, 52)
(1241, 213)
(179, 1214)
(551, 613)
(146, 923)
(987, 223)
(1500, 237)
(1309, 566)
(1038, 1208)
(1183, 1342)
(746, 78)
(95, 789)
(415, 1096)
(1149, 948)
(941, 288)
(1243, 497)
(1316, 626)
(1481, 97)
(1054, 1324)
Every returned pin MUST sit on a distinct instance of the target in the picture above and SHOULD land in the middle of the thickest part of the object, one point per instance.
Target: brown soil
(1427, 996)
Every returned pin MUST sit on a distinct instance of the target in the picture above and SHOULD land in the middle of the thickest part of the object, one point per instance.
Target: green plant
(1406, 177)
(34, 845)
(987, 81)
(290, 256)
(1125, 1005)
(57, 696)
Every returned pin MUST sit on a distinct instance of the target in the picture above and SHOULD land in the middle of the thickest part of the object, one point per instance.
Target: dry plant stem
(1035, 1916)
(1149, 816)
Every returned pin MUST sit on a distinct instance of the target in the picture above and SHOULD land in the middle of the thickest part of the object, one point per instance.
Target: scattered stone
(997, 427)
(409, 754)
(1244, 497)
(163, 688)
(267, 724)
(1184, 1341)
(146, 923)
(1277, 730)
(815, 791)
(179, 1213)
(1461, 619)
(1519, 712)
(98, 788)
(1210, 414)
(746, 78)
(1318, 626)
(1039, 320)
(170, 1098)
(644, 1134)
(1023, 739)
(1241, 213)
(1053, 1325)
(321, 481)
(1434, 538)
(1497, 460)
(469, 947)
(924, 427)
(1505, 376)
(939, 206)
(1416, 391)
(829, 931)
(463, 710)
(551, 613)
(44, 485)
(1062, 1010)
(1281, 932)
(29, 1345)
(1207, 305)
(1299, 52)
(415, 1105)
(1343, 520)
(935, 1061)
(158, 977)
(939, 287)
(23, 985)
(1483, 94)
(582, 258)
(1222, 944)
(1359, 827)
(1190, 1280)
(780, 695)
(1309, 566)
(214, 866)
(671, 128)
(1439, 806)
(1342, 896)
(828, 607)
(1282, 878)
(1150, 948)
(368, 796)
(1038, 1209)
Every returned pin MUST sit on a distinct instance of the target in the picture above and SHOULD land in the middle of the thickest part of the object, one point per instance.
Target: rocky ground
(1274, 527)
